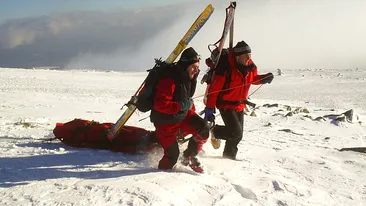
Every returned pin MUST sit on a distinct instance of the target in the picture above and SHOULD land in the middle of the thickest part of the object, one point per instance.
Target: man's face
(244, 58)
(193, 69)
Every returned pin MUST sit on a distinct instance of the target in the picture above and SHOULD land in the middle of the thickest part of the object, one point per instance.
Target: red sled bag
(90, 134)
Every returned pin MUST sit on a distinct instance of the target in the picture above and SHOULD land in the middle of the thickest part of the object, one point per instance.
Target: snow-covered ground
(289, 154)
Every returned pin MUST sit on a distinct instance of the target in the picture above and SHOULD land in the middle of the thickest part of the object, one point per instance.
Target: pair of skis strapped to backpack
(131, 105)
(219, 45)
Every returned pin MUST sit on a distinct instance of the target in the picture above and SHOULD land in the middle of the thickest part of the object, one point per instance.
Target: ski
(216, 53)
(231, 38)
(131, 105)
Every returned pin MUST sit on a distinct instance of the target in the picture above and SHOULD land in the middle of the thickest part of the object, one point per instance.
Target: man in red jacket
(228, 92)
(173, 113)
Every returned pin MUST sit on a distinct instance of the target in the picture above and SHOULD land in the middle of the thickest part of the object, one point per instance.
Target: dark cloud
(55, 40)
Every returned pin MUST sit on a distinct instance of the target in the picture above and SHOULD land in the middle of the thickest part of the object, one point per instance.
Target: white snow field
(289, 154)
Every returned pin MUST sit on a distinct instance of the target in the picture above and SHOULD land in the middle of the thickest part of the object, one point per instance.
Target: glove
(209, 114)
(267, 78)
(186, 104)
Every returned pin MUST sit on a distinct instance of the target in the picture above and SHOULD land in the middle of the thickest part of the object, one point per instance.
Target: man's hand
(209, 114)
(186, 104)
(267, 78)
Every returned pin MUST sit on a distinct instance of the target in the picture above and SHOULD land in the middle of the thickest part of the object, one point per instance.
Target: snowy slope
(289, 154)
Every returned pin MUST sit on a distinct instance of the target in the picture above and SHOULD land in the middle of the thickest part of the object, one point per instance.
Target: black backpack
(145, 98)
(208, 77)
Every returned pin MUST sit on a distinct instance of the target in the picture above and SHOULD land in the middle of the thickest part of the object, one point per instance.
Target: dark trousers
(232, 132)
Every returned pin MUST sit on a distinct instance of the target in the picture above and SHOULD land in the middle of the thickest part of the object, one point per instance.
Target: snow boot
(215, 142)
(193, 163)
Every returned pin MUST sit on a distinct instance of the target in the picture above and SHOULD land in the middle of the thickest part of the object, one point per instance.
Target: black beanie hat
(188, 57)
(242, 48)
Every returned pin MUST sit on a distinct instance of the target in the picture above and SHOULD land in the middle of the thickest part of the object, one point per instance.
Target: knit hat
(241, 48)
(189, 56)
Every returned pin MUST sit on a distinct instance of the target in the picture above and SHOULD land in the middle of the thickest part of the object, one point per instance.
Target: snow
(283, 159)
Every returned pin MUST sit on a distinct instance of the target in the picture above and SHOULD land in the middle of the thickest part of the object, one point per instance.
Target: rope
(243, 85)
(254, 91)
(224, 90)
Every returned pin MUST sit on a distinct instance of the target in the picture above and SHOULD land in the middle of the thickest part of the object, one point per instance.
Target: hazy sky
(11, 9)
(129, 34)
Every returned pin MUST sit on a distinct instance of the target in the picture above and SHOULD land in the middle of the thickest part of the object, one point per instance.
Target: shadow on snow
(75, 162)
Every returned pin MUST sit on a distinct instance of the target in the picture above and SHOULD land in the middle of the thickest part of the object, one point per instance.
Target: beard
(244, 69)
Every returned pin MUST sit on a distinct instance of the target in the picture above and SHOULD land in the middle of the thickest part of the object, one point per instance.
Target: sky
(128, 35)
(21, 9)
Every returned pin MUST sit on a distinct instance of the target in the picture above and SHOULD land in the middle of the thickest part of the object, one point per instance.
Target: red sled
(90, 134)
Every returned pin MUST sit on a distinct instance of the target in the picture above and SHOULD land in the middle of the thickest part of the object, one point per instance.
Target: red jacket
(163, 101)
(175, 87)
(238, 86)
